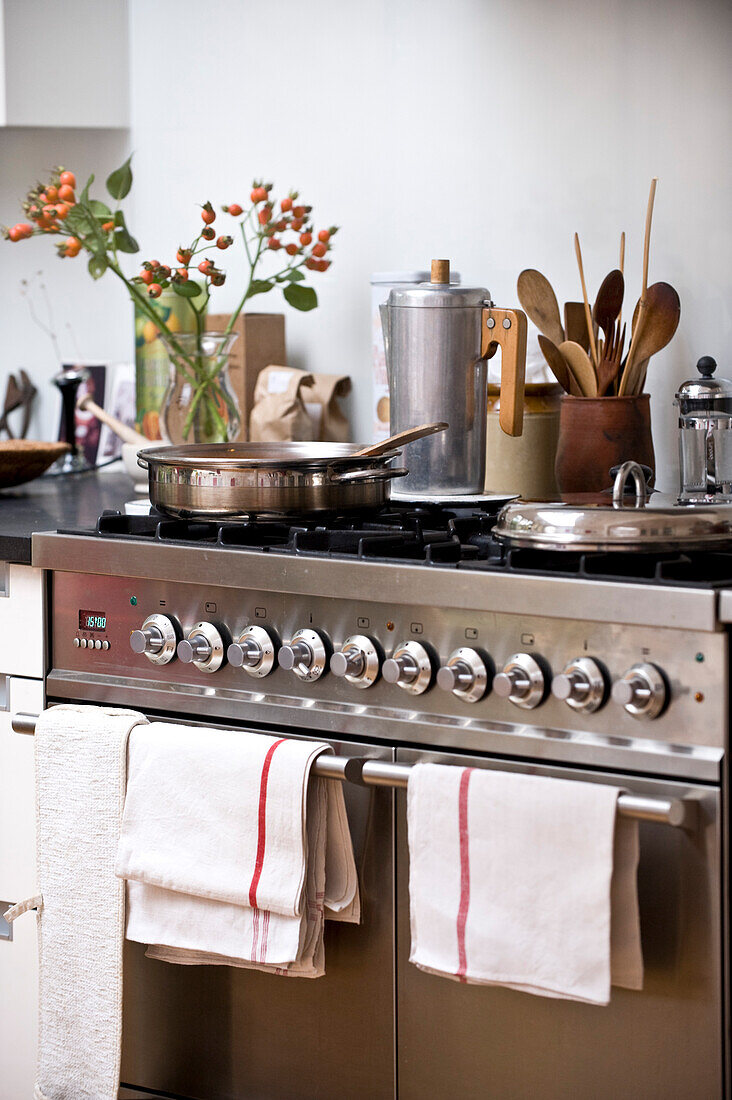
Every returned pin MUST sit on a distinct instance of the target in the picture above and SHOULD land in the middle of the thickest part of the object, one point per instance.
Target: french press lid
(439, 291)
(705, 393)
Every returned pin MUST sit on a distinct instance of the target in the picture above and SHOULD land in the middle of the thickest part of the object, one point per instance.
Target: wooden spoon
(654, 327)
(400, 439)
(125, 433)
(575, 324)
(609, 301)
(558, 366)
(590, 326)
(539, 302)
(581, 367)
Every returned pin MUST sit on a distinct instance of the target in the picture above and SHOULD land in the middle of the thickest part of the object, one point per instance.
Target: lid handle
(440, 272)
(630, 469)
(706, 366)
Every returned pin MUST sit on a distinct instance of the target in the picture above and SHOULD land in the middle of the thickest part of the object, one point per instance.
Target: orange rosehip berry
(224, 242)
(182, 274)
(147, 277)
(265, 214)
(155, 290)
(205, 266)
(183, 255)
(73, 246)
(319, 250)
(65, 193)
(234, 209)
(68, 178)
(324, 235)
(107, 226)
(299, 211)
(208, 213)
(208, 233)
(259, 194)
(274, 244)
(305, 238)
(291, 249)
(286, 205)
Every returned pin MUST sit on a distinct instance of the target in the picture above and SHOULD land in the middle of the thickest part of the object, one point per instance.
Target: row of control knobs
(468, 674)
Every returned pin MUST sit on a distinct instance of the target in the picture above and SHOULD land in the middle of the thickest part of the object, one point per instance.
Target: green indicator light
(699, 657)
(133, 601)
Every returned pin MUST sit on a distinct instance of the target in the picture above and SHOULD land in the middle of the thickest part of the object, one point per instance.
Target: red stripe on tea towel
(259, 951)
(262, 822)
(462, 916)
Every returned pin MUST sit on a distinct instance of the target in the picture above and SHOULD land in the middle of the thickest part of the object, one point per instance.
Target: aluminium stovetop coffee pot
(438, 338)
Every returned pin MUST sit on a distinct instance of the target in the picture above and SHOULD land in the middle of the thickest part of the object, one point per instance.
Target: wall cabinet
(48, 79)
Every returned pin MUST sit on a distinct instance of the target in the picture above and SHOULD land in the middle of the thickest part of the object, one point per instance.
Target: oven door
(662, 1043)
(218, 1033)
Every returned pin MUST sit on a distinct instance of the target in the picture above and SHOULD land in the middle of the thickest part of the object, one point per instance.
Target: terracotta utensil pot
(597, 433)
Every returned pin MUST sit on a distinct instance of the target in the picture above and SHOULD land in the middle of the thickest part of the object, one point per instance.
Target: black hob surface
(419, 534)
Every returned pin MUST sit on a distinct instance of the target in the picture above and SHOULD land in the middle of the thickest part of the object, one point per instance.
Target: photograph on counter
(120, 402)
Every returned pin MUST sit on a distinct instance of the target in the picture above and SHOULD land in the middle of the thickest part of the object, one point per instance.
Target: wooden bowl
(23, 460)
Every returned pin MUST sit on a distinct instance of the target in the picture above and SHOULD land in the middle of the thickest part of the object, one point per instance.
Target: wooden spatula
(539, 302)
(654, 327)
(580, 366)
(575, 324)
(609, 301)
(400, 440)
(558, 366)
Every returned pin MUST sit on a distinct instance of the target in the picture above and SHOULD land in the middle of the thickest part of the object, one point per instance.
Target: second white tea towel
(523, 881)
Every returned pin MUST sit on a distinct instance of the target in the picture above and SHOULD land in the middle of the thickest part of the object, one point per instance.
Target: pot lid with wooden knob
(438, 292)
(705, 392)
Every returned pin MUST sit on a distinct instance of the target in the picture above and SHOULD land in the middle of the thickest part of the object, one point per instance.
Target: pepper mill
(67, 382)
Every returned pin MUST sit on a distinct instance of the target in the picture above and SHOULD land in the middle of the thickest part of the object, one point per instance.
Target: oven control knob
(465, 675)
(157, 639)
(306, 655)
(358, 660)
(581, 685)
(409, 667)
(204, 647)
(254, 652)
(522, 681)
(641, 691)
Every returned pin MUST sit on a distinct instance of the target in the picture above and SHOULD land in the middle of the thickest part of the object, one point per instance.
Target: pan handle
(368, 475)
(142, 462)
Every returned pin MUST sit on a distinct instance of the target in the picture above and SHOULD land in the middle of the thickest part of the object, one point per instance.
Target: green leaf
(84, 196)
(99, 209)
(97, 266)
(124, 241)
(77, 220)
(120, 181)
(295, 277)
(260, 286)
(187, 290)
(303, 298)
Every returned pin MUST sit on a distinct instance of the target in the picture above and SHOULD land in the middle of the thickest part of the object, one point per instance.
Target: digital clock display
(92, 620)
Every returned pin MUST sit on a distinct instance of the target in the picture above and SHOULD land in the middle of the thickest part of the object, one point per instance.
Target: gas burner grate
(421, 534)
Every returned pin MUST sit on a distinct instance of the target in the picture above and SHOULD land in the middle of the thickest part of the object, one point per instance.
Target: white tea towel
(523, 881)
(227, 848)
(80, 789)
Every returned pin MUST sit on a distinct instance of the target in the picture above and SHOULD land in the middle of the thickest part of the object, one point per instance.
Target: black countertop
(49, 503)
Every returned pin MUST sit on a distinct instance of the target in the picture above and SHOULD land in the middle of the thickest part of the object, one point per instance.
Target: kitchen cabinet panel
(17, 793)
(49, 91)
(18, 1009)
(22, 644)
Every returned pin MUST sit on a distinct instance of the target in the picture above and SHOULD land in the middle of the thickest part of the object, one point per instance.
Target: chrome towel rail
(678, 812)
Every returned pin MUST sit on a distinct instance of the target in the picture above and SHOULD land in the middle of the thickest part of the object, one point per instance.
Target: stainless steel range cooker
(405, 636)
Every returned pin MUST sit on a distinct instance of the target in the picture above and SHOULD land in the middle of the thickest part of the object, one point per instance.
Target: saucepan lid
(631, 522)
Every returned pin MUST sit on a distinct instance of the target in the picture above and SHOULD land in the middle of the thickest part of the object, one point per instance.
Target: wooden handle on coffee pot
(507, 329)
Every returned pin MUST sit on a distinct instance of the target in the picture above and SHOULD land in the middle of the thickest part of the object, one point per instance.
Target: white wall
(487, 131)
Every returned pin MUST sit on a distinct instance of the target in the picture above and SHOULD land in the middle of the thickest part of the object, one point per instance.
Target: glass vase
(199, 405)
